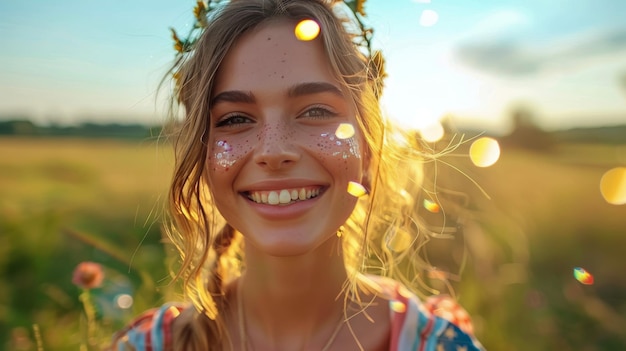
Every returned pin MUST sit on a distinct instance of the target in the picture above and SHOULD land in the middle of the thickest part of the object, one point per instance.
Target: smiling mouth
(284, 196)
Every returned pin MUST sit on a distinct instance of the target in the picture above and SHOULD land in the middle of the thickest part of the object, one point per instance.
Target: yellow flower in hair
(178, 44)
(200, 12)
(359, 7)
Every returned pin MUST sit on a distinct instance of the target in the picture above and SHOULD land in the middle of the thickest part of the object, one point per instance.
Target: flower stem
(90, 312)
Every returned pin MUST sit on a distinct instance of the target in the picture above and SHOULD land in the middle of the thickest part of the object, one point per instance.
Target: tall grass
(64, 201)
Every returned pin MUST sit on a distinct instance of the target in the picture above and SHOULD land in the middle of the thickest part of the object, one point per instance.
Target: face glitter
(350, 147)
(223, 155)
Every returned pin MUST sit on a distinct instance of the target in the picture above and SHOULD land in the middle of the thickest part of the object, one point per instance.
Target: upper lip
(278, 184)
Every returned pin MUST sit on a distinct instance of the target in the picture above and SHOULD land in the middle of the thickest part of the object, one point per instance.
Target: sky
(72, 61)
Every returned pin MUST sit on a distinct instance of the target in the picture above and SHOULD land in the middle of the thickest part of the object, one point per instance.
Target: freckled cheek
(226, 153)
(343, 154)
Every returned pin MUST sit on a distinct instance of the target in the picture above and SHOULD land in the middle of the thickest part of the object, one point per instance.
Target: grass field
(64, 201)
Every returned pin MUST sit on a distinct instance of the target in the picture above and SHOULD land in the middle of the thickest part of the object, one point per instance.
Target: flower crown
(362, 35)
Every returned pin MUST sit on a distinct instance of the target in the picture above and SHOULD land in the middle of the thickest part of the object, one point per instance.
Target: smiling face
(277, 166)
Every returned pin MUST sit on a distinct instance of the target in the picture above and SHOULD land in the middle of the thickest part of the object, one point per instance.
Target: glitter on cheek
(343, 147)
(225, 155)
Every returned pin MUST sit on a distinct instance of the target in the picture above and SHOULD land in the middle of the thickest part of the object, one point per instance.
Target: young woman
(275, 241)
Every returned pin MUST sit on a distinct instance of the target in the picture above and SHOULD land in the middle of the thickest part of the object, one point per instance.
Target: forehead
(270, 56)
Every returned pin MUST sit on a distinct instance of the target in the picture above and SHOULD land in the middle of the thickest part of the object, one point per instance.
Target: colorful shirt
(438, 324)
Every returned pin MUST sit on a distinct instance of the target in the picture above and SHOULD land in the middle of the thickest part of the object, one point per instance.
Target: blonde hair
(209, 247)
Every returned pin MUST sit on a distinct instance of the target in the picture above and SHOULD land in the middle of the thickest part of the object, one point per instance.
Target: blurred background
(532, 92)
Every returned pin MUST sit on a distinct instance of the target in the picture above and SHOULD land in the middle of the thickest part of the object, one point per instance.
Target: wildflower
(179, 46)
(88, 275)
(200, 12)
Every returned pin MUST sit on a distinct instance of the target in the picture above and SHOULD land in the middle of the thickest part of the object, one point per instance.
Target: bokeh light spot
(431, 206)
(429, 18)
(484, 152)
(398, 240)
(397, 306)
(124, 301)
(307, 30)
(344, 131)
(583, 276)
(613, 186)
(356, 189)
(432, 132)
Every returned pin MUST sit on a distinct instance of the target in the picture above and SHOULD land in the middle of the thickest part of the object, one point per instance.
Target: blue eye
(233, 120)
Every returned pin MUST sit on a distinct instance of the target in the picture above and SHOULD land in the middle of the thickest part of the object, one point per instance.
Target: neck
(291, 301)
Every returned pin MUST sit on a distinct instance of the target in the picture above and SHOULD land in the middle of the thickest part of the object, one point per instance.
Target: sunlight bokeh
(307, 30)
(344, 131)
(429, 18)
(484, 152)
(613, 186)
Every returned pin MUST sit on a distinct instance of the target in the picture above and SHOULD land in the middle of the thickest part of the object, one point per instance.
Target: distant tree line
(525, 133)
(23, 127)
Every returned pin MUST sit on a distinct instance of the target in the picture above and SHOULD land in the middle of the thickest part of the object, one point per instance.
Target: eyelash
(326, 113)
(235, 119)
(231, 121)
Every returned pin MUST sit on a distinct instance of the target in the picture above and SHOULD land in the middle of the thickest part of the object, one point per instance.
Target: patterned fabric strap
(151, 331)
(439, 324)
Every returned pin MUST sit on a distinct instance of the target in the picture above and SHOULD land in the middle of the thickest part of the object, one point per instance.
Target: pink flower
(88, 275)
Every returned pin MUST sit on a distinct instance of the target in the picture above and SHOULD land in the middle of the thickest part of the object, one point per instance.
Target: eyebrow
(302, 89)
(233, 96)
(313, 88)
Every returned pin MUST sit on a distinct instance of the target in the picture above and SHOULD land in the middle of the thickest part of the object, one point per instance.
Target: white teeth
(272, 198)
(283, 196)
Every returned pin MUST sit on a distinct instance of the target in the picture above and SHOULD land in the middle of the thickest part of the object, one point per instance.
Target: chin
(287, 243)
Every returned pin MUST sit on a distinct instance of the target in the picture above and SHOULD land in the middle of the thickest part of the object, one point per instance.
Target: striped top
(437, 324)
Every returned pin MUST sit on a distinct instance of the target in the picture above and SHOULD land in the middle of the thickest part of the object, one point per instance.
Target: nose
(276, 148)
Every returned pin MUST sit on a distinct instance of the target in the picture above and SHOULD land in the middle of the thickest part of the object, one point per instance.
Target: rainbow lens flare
(356, 189)
(613, 186)
(307, 30)
(583, 276)
(431, 206)
(344, 131)
(484, 152)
